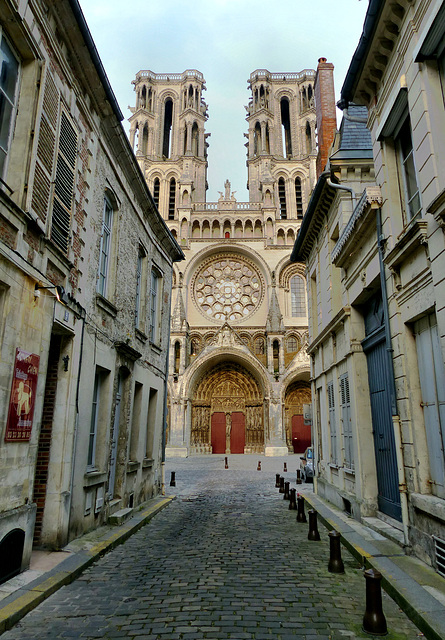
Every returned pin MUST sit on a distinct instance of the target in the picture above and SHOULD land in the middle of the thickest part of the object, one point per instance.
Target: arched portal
(227, 412)
(298, 435)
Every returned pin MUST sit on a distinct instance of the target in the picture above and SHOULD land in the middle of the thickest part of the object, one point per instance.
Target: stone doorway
(298, 435)
(227, 412)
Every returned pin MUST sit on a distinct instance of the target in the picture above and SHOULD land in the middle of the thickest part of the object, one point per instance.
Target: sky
(226, 40)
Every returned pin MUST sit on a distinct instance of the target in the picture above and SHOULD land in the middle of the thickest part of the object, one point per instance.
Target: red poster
(23, 396)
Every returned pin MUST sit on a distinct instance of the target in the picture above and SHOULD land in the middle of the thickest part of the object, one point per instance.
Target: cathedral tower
(167, 132)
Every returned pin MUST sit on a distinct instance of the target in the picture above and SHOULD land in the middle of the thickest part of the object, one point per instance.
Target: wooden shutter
(332, 425)
(46, 144)
(346, 419)
(64, 184)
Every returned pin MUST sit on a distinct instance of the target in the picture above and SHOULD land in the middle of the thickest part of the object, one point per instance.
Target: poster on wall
(23, 396)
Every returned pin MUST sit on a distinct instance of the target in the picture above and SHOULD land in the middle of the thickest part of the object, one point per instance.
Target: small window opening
(156, 189)
(285, 122)
(172, 200)
(276, 356)
(257, 139)
(282, 198)
(308, 138)
(168, 121)
(298, 198)
(177, 356)
(195, 139)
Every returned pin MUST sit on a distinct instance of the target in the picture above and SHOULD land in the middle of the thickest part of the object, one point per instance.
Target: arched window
(292, 344)
(308, 138)
(143, 103)
(298, 297)
(194, 347)
(195, 139)
(285, 122)
(276, 356)
(156, 189)
(177, 356)
(144, 146)
(257, 139)
(298, 198)
(172, 200)
(168, 121)
(267, 139)
(282, 198)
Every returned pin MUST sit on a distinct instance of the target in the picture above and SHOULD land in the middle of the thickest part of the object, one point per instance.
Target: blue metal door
(383, 430)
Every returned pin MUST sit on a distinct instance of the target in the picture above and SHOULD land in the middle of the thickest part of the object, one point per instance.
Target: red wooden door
(301, 434)
(218, 432)
(238, 433)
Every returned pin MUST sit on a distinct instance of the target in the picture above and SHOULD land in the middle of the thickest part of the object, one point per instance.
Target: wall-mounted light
(65, 360)
(59, 292)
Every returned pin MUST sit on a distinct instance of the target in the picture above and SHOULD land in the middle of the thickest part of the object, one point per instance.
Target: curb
(425, 611)
(24, 600)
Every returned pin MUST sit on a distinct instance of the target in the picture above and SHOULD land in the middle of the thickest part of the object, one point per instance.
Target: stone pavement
(226, 559)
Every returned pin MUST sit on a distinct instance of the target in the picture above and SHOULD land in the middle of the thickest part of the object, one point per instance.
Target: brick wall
(325, 111)
(43, 453)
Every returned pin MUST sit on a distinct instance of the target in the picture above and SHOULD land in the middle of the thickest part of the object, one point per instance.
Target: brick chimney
(325, 111)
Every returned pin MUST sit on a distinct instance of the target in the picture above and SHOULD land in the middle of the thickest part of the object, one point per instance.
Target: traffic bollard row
(374, 621)
(277, 480)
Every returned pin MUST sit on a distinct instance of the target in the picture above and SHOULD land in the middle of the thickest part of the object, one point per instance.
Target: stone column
(276, 444)
(177, 447)
(228, 430)
(263, 137)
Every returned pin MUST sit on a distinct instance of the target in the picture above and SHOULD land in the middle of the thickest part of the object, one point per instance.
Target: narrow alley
(226, 559)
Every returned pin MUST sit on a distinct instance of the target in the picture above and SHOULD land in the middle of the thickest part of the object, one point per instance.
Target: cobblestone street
(226, 559)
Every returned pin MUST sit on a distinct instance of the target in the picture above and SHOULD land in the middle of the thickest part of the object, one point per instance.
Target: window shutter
(64, 184)
(332, 425)
(46, 145)
(346, 419)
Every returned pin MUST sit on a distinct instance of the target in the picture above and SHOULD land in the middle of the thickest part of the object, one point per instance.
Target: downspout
(342, 187)
(76, 419)
(392, 382)
(164, 420)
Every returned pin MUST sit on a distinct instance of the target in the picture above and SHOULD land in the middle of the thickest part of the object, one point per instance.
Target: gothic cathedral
(238, 371)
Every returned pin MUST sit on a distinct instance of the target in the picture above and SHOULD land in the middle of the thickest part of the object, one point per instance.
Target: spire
(179, 320)
(274, 323)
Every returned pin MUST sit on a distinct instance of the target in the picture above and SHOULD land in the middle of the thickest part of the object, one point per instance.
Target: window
(332, 423)
(172, 200)
(259, 346)
(404, 145)
(168, 121)
(9, 74)
(105, 247)
(91, 459)
(298, 198)
(151, 423)
(139, 278)
(136, 421)
(282, 198)
(285, 122)
(156, 189)
(346, 420)
(291, 344)
(298, 297)
(154, 305)
(432, 385)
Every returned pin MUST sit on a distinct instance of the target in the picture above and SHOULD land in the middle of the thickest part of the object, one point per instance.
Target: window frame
(105, 247)
(406, 164)
(13, 102)
(155, 302)
(94, 423)
(298, 300)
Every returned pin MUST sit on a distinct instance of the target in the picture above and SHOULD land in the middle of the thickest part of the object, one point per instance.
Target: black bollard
(374, 620)
(226, 463)
(285, 467)
(173, 479)
(299, 480)
(293, 499)
(335, 562)
(301, 516)
(277, 480)
(259, 466)
(313, 528)
(281, 485)
(286, 491)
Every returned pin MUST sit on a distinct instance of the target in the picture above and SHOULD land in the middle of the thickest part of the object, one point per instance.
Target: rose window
(227, 288)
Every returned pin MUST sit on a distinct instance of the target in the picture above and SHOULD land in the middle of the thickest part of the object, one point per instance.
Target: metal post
(299, 480)
(301, 516)
(281, 485)
(173, 479)
(293, 499)
(313, 528)
(277, 480)
(226, 463)
(335, 562)
(286, 491)
(259, 466)
(374, 620)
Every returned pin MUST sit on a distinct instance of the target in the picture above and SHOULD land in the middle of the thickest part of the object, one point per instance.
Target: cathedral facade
(238, 367)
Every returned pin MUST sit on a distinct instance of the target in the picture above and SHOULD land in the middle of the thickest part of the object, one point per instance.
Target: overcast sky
(226, 40)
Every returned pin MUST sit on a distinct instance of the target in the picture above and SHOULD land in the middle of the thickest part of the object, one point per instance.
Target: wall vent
(439, 546)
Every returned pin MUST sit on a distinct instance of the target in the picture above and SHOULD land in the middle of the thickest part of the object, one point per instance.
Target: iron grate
(440, 555)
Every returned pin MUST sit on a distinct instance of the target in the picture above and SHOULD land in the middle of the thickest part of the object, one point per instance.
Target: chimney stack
(325, 111)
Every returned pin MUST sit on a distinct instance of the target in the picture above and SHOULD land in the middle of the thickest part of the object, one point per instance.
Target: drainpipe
(392, 382)
(164, 419)
(354, 118)
(343, 188)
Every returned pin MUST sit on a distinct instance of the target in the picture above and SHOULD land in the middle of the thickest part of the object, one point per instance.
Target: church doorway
(298, 435)
(227, 412)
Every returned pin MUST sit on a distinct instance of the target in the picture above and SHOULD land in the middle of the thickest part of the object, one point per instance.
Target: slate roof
(355, 135)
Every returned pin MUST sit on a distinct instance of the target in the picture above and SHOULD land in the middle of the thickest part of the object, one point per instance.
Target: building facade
(239, 372)
(85, 282)
(387, 256)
